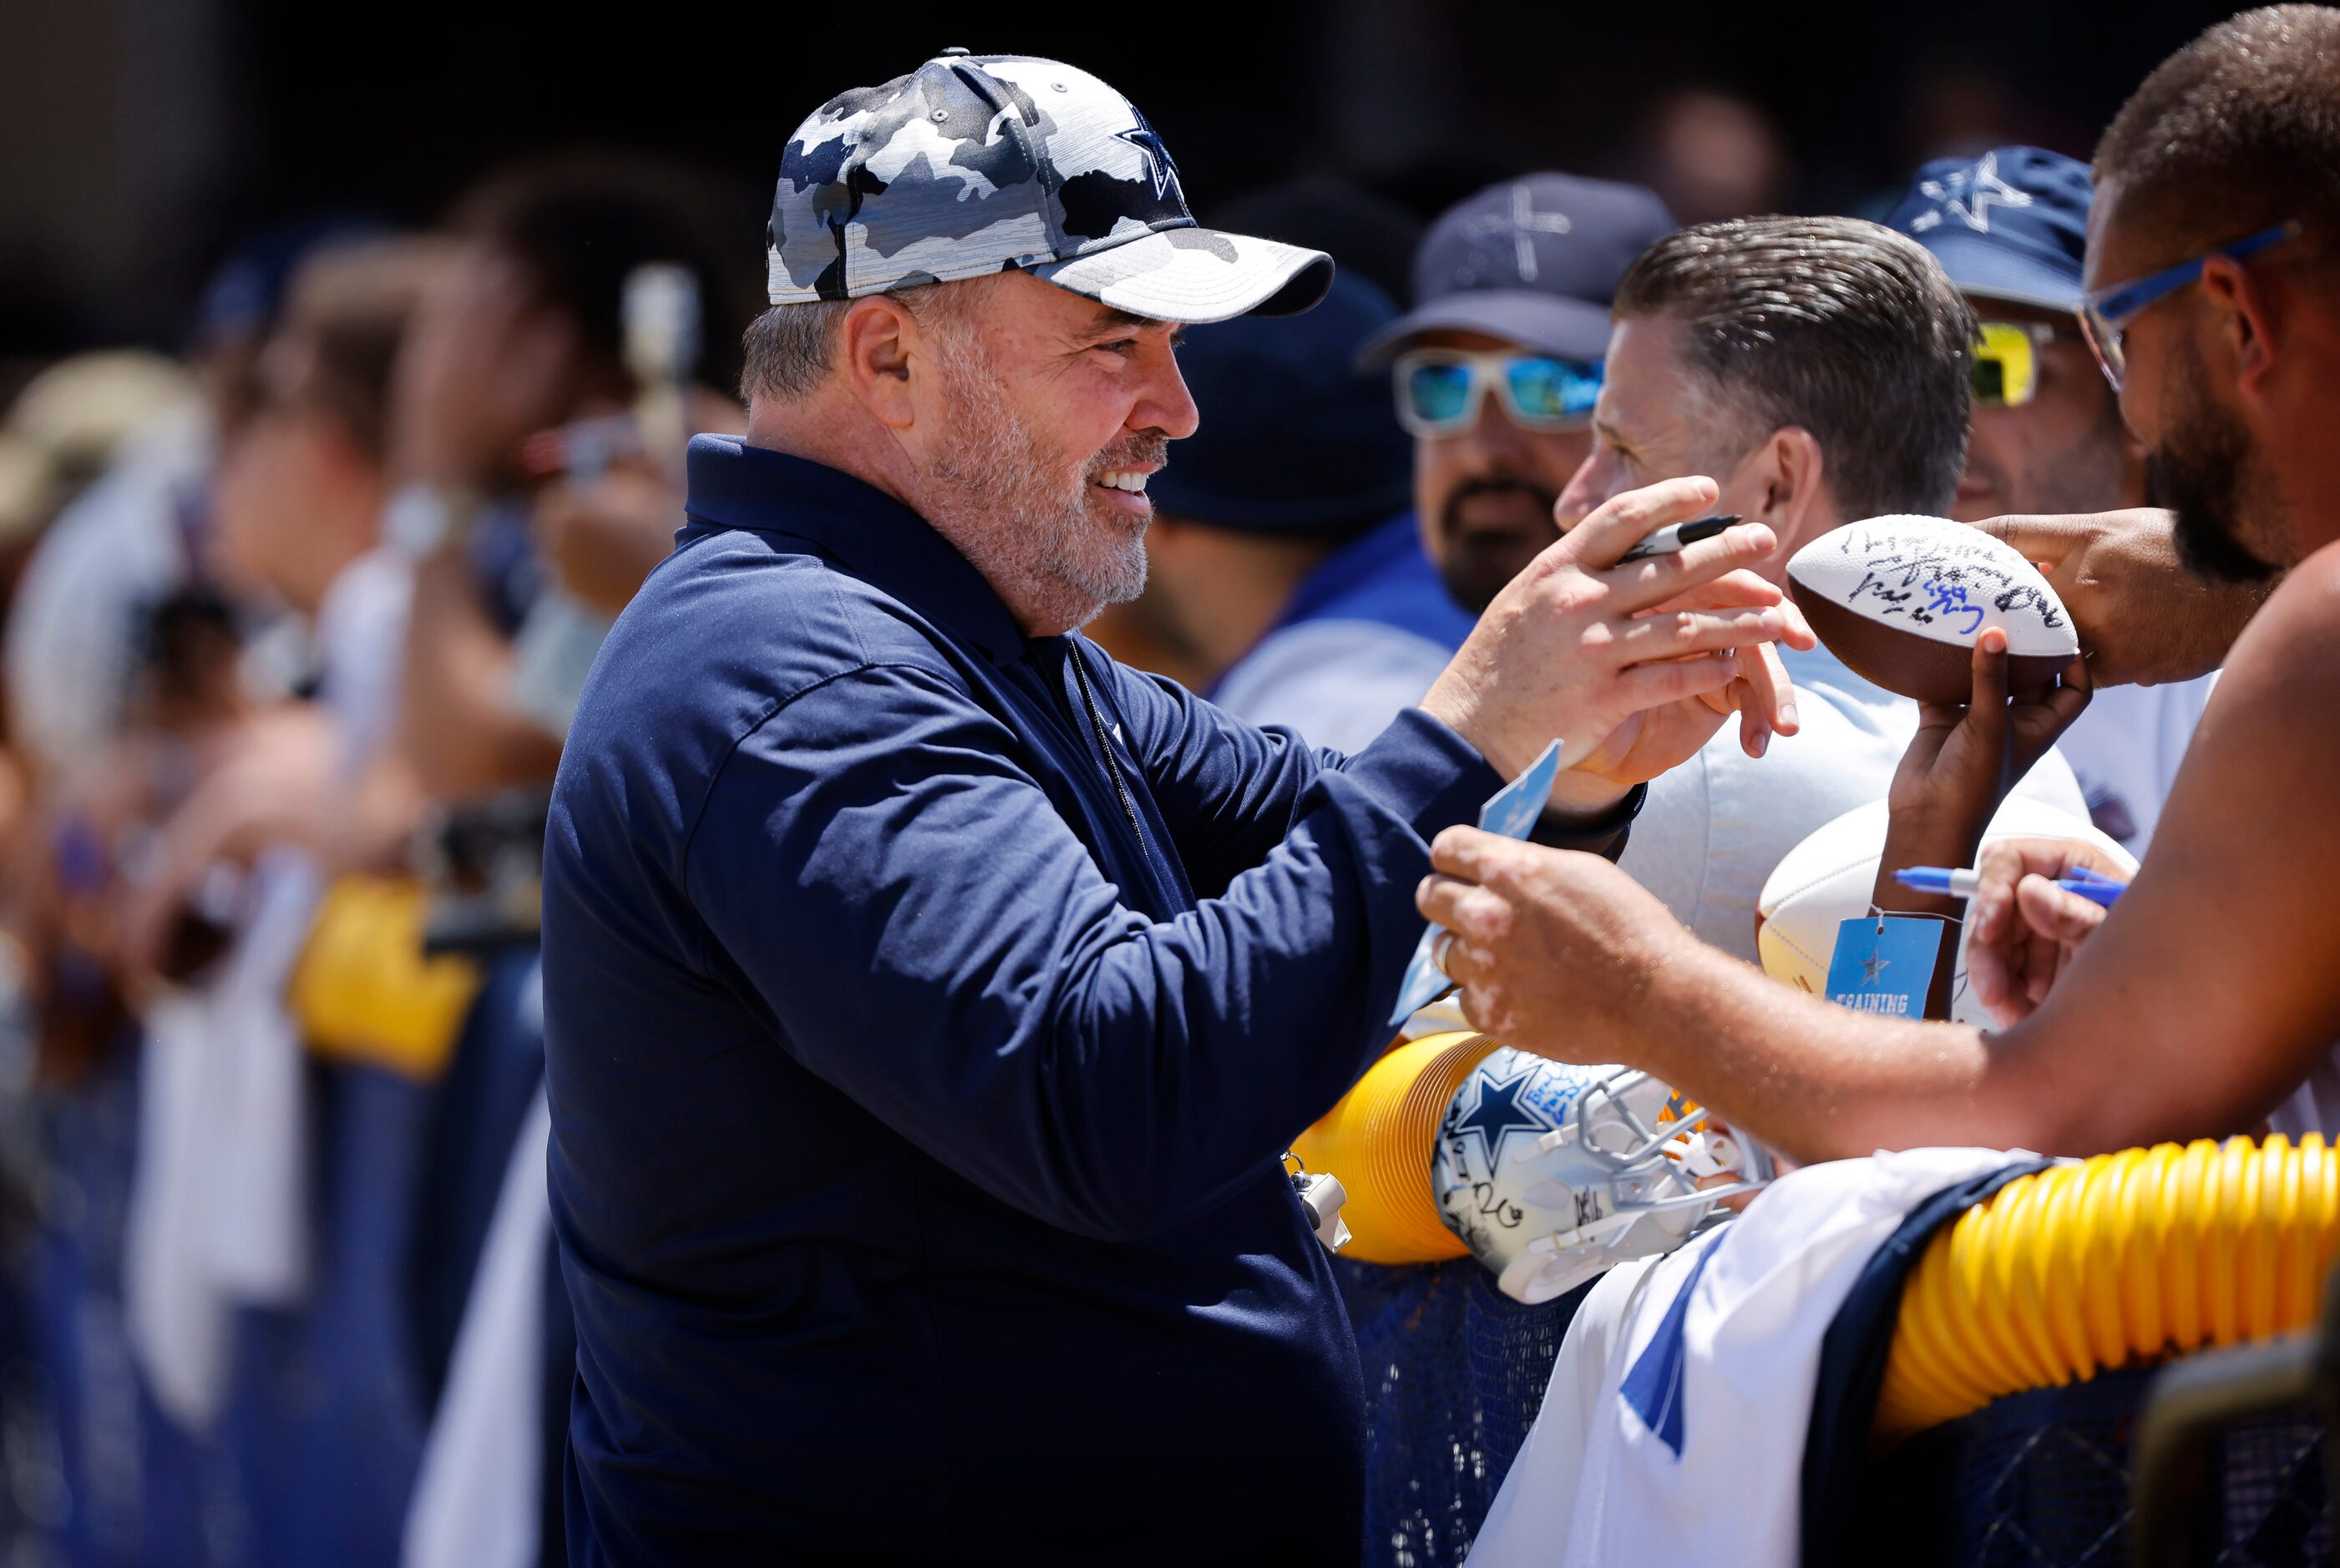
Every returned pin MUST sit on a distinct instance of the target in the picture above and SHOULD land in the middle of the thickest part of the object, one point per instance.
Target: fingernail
(1787, 713)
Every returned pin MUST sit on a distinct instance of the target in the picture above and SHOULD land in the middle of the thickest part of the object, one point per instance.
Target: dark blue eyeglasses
(2106, 313)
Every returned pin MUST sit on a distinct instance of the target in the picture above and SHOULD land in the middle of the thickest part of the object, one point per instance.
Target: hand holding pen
(1946, 883)
(2034, 902)
(1675, 537)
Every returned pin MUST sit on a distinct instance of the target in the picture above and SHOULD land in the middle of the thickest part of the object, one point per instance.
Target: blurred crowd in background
(300, 589)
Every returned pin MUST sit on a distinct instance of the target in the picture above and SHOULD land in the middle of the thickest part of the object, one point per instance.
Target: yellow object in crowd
(364, 992)
(2120, 1259)
(1380, 1140)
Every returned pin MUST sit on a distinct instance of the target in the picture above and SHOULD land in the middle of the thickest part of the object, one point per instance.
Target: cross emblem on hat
(1968, 195)
(1521, 225)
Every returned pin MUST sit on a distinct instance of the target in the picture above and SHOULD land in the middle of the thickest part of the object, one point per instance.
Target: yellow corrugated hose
(2090, 1267)
(1380, 1140)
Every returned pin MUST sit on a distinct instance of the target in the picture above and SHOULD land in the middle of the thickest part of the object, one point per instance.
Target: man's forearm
(1821, 1082)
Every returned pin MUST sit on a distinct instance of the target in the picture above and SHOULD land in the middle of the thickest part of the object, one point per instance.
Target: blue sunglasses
(2106, 313)
(1439, 391)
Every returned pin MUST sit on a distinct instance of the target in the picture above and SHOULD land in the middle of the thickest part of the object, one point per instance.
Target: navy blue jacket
(919, 1066)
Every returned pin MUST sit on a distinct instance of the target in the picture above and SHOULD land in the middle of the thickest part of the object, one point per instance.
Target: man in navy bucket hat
(2046, 437)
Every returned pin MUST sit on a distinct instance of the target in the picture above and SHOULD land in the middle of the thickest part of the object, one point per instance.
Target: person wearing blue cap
(2010, 228)
(1286, 579)
(1496, 368)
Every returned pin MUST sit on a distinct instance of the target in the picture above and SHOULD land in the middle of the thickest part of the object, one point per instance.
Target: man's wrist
(1937, 840)
(1912, 840)
(1583, 796)
(1604, 833)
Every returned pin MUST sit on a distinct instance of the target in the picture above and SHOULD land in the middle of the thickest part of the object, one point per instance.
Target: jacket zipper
(1104, 746)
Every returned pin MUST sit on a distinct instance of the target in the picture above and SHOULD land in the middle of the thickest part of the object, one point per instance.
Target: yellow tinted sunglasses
(2006, 368)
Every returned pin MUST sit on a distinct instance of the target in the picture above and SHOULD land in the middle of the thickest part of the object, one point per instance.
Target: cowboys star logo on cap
(1968, 195)
(2010, 226)
(1158, 156)
(976, 164)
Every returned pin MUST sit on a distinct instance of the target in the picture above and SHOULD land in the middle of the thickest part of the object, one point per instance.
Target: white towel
(1730, 1378)
(178, 1323)
(219, 1203)
(476, 1500)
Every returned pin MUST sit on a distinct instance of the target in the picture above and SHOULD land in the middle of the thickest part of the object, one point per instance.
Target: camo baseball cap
(974, 165)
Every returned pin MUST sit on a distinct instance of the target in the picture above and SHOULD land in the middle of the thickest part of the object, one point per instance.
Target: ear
(2245, 318)
(875, 343)
(1782, 475)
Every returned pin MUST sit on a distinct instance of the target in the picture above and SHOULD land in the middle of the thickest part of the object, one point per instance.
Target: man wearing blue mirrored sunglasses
(1496, 368)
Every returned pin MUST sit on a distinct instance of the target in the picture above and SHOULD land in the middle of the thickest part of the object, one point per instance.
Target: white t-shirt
(361, 639)
(1337, 682)
(2125, 750)
(1673, 1427)
(1715, 828)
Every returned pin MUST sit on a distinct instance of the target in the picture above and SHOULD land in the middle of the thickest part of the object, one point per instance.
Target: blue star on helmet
(1968, 195)
(1157, 157)
(1496, 1112)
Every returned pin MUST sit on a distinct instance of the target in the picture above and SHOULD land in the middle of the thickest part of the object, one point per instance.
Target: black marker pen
(1674, 538)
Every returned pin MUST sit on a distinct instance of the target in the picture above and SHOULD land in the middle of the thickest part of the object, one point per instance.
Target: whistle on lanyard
(1321, 1196)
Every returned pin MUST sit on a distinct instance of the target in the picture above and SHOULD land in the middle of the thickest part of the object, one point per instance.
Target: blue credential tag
(1510, 811)
(1885, 964)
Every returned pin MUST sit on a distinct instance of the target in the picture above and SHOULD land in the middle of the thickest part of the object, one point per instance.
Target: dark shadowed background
(140, 138)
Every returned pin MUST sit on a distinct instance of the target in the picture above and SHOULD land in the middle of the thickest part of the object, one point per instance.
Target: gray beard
(994, 492)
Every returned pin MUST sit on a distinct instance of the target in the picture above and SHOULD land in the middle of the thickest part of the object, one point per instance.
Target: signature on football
(1953, 585)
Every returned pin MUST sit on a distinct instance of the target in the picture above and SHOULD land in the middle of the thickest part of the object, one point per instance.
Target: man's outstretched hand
(1552, 948)
(2024, 930)
(2143, 619)
(1632, 665)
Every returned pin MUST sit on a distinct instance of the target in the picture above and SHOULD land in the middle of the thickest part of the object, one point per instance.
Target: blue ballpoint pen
(1944, 881)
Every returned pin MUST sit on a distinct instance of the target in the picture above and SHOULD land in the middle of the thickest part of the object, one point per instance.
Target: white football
(1901, 599)
(1827, 879)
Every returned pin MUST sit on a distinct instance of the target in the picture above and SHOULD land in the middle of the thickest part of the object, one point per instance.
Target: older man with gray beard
(929, 999)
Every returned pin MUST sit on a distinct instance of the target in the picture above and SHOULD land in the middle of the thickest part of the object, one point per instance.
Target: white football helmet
(1550, 1173)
